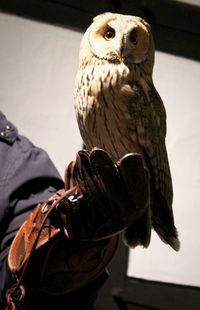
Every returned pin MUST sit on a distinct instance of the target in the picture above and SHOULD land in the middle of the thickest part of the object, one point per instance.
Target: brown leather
(71, 265)
(115, 196)
(63, 265)
(35, 232)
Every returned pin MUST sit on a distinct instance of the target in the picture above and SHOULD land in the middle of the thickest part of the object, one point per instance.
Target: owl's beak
(122, 45)
(121, 50)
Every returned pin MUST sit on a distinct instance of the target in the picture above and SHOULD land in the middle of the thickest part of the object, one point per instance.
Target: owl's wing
(150, 128)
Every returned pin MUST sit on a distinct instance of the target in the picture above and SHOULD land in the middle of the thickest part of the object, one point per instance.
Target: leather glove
(100, 200)
(111, 196)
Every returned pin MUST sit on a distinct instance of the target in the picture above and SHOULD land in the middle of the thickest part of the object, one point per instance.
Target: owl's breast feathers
(119, 110)
(104, 95)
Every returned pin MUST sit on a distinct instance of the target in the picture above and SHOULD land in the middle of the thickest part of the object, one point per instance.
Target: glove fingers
(91, 212)
(68, 177)
(82, 172)
(118, 199)
(134, 176)
(85, 179)
(107, 178)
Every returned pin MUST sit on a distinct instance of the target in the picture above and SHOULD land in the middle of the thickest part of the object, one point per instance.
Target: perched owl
(118, 109)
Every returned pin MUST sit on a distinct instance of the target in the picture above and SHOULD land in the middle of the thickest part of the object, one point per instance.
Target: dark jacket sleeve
(27, 177)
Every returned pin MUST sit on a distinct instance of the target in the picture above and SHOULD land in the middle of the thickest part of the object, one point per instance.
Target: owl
(118, 109)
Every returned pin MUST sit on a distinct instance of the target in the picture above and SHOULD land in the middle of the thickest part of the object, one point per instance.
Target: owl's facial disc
(120, 40)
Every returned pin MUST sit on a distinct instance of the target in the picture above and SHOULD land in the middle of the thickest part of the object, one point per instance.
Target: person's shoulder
(20, 159)
(13, 144)
(8, 137)
(22, 162)
(8, 132)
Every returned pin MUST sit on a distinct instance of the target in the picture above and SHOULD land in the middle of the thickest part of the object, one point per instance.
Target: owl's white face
(117, 38)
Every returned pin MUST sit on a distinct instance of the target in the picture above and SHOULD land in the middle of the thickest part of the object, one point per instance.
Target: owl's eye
(133, 37)
(109, 34)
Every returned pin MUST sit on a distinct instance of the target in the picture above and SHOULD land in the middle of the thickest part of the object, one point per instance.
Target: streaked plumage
(119, 109)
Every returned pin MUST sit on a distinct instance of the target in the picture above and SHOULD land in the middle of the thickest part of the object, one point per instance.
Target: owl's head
(117, 38)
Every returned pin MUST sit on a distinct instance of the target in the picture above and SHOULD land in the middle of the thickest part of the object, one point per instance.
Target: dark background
(176, 24)
(176, 30)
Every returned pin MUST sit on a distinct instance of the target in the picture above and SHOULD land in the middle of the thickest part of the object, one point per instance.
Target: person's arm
(27, 177)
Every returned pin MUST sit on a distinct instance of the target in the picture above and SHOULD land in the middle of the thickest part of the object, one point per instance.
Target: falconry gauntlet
(78, 226)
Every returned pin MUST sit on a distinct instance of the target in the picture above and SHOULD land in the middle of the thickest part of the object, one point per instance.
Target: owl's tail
(160, 217)
(163, 223)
